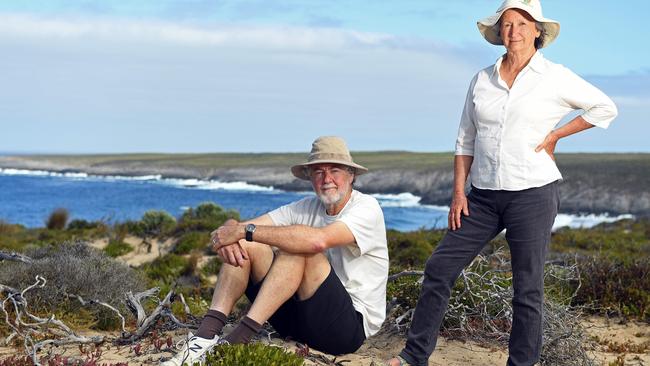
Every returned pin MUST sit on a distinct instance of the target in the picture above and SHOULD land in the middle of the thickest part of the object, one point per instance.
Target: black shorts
(327, 321)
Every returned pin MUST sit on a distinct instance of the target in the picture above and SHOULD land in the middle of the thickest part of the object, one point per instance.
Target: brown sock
(211, 324)
(245, 330)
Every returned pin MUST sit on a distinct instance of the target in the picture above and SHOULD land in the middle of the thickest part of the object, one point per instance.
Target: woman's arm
(550, 141)
(462, 165)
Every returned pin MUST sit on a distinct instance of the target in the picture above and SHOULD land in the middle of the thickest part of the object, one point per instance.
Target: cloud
(630, 84)
(296, 38)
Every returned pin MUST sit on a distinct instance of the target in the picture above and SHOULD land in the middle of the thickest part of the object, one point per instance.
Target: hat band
(329, 156)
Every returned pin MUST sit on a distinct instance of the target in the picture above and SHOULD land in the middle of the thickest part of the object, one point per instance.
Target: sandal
(402, 362)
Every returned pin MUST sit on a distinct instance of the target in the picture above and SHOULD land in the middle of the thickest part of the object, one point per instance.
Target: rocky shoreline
(585, 189)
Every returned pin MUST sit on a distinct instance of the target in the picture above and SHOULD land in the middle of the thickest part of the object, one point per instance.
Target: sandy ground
(139, 255)
(376, 349)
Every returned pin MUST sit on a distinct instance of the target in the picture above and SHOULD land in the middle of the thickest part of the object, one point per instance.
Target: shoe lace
(181, 343)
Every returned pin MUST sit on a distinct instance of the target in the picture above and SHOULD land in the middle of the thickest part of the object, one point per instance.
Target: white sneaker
(193, 351)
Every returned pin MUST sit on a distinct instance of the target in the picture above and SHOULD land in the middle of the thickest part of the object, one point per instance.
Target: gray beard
(331, 199)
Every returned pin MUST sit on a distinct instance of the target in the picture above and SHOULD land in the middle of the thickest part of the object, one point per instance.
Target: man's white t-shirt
(362, 267)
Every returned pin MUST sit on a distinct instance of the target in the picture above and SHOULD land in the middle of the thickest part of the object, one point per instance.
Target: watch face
(250, 228)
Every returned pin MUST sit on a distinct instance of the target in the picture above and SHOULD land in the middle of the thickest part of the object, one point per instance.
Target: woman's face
(518, 30)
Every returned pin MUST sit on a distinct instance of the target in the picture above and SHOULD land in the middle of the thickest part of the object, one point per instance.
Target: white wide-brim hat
(550, 27)
(328, 149)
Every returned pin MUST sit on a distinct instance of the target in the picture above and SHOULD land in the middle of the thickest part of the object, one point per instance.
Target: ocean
(27, 197)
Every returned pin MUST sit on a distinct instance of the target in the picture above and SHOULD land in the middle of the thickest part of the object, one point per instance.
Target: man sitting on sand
(316, 269)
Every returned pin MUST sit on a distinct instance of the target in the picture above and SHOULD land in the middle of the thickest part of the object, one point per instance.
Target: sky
(79, 76)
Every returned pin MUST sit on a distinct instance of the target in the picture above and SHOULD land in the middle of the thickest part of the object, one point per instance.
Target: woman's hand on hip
(458, 206)
(549, 143)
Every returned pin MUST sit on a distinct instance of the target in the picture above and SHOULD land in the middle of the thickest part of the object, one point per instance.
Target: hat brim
(551, 28)
(299, 170)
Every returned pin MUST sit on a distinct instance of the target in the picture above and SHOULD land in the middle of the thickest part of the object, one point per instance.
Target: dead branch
(163, 310)
(16, 257)
(39, 326)
(93, 302)
(405, 273)
(480, 308)
(134, 303)
(185, 307)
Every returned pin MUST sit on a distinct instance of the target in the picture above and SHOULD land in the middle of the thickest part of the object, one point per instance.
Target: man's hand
(549, 143)
(229, 233)
(458, 206)
(233, 254)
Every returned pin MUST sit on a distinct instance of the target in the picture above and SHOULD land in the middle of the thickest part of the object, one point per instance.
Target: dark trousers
(528, 217)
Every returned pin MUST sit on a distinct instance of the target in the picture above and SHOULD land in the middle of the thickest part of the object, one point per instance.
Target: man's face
(331, 182)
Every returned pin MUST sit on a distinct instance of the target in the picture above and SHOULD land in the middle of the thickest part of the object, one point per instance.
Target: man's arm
(293, 238)
(235, 254)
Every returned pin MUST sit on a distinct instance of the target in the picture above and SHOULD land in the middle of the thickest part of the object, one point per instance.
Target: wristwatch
(250, 229)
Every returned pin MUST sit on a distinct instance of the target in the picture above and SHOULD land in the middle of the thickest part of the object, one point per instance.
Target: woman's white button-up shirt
(501, 126)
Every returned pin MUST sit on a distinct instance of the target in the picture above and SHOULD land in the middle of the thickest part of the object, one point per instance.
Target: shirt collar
(537, 63)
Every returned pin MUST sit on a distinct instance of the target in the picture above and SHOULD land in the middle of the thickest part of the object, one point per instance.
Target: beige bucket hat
(328, 149)
(550, 27)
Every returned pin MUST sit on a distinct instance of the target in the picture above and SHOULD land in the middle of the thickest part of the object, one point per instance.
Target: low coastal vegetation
(604, 270)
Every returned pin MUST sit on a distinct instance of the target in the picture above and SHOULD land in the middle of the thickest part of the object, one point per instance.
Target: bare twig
(38, 325)
(13, 256)
(92, 302)
(405, 273)
(185, 307)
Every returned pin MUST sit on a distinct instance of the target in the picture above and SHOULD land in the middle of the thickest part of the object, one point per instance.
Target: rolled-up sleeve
(467, 128)
(599, 109)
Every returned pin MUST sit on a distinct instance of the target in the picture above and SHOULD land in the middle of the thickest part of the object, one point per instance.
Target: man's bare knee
(317, 268)
(260, 257)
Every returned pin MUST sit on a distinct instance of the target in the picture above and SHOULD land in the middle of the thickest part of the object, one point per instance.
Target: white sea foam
(177, 182)
(586, 221)
(405, 199)
(42, 173)
(124, 177)
(215, 185)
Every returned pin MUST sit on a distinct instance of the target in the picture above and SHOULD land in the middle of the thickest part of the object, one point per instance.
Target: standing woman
(505, 143)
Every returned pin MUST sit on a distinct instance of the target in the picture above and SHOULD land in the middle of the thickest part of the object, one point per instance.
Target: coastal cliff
(593, 183)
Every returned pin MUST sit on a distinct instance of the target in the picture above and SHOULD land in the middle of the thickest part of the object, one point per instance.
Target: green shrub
(404, 291)
(157, 223)
(9, 236)
(412, 249)
(252, 355)
(205, 217)
(191, 241)
(166, 268)
(52, 237)
(57, 219)
(212, 267)
(616, 286)
(624, 240)
(117, 248)
(80, 224)
(10, 229)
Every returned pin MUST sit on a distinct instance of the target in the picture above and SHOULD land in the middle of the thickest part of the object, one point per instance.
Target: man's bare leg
(231, 285)
(232, 281)
(290, 274)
